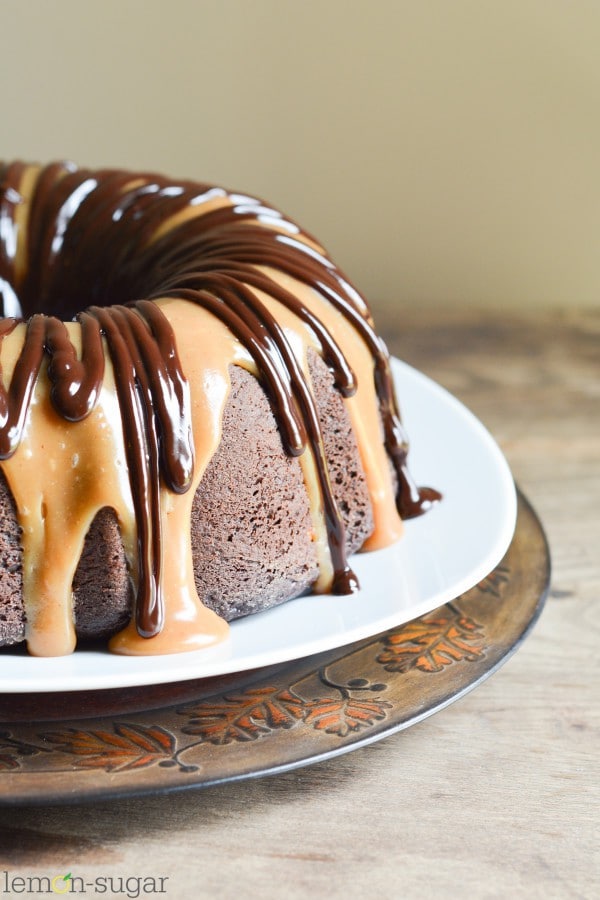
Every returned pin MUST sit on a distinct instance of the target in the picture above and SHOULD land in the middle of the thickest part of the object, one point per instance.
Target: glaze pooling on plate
(442, 555)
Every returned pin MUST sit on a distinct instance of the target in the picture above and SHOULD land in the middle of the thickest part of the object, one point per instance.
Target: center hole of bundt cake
(73, 279)
(74, 290)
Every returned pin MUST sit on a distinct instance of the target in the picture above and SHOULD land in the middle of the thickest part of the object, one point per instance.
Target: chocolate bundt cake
(197, 417)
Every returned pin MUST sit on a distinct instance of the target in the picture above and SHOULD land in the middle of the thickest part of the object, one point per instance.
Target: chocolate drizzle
(75, 385)
(102, 236)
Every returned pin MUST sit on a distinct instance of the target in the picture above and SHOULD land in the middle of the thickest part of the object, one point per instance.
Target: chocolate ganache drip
(91, 245)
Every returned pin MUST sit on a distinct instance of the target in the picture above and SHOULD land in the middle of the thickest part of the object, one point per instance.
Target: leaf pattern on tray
(250, 714)
(13, 750)
(495, 582)
(346, 714)
(433, 642)
(124, 748)
(242, 716)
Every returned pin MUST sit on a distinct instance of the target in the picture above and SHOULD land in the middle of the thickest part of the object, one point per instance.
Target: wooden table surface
(498, 795)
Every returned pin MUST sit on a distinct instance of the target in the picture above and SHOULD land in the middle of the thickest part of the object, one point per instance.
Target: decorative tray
(85, 745)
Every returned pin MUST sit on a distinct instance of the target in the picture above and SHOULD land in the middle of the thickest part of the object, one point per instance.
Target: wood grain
(497, 796)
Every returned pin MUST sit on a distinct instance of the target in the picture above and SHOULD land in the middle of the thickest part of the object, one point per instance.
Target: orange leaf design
(259, 711)
(8, 762)
(495, 582)
(340, 716)
(13, 750)
(126, 747)
(244, 716)
(430, 644)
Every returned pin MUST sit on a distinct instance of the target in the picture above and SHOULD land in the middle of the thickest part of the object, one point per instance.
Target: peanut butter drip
(238, 284)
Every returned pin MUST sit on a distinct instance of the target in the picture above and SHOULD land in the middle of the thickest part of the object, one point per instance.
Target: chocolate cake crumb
(12, 616)
(101, 586)
(252, 542)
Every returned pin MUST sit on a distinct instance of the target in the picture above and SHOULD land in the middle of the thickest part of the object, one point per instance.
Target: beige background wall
(444, 151)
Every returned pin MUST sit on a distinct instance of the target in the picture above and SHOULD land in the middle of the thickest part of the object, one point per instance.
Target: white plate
(442, 554)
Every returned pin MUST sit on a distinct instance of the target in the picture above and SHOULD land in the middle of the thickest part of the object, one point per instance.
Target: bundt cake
(197, 418)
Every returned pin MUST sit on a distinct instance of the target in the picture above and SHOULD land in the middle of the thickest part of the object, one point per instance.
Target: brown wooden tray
(65, 748)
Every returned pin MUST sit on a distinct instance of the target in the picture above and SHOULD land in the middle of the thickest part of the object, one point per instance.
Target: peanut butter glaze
(83, 245)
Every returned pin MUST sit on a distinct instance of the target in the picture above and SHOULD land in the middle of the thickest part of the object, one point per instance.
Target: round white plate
(442, 554)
